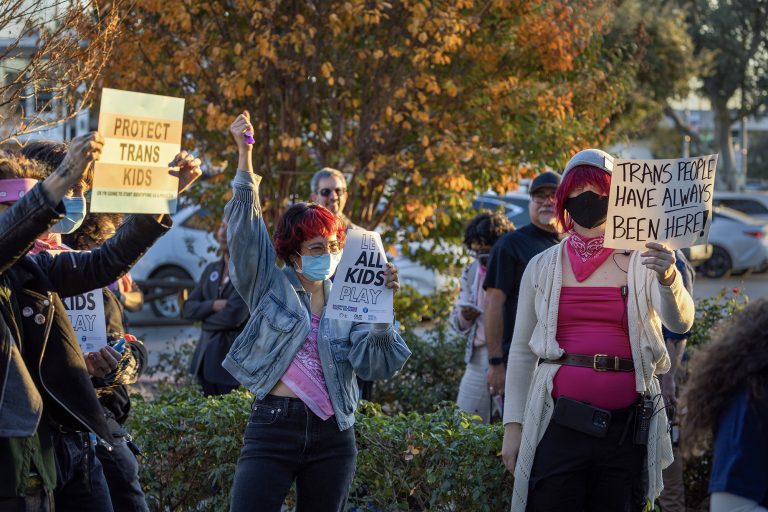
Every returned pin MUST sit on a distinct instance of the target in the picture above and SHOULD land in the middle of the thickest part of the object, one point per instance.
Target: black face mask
(587, 209)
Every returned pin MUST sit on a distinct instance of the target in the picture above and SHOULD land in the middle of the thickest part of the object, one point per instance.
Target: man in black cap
(508, 260)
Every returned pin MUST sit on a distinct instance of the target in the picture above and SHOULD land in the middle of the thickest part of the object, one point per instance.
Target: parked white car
(179, 255)
(754, 204)
(739, 243)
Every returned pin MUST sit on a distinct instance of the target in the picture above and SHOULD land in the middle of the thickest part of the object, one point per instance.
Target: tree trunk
(728, 176)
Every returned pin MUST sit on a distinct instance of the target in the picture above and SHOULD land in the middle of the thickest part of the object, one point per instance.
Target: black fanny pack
(594, 421)
(581, 417)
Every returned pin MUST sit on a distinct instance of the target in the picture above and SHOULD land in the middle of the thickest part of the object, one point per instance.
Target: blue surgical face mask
(319, 268)
(74, 216)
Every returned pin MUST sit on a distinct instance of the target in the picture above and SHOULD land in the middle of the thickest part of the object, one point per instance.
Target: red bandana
(586, 254)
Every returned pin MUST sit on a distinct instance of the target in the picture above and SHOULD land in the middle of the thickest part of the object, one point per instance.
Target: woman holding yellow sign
(585, 353)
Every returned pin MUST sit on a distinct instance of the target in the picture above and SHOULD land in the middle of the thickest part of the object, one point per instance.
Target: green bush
(431, 375)
(190, 446)
(422, 454)
(442, 460)
(437, 461)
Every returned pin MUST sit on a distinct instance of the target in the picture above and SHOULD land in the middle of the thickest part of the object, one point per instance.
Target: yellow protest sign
(142, 134)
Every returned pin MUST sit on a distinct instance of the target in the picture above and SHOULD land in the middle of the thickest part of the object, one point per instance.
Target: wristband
(495, 361)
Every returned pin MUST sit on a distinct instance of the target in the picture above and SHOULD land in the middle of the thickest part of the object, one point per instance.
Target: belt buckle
(606, 368)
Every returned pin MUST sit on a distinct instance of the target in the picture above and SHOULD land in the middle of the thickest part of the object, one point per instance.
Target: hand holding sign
(392, 278)
(189, 169)
(661, 260)
(82, 152)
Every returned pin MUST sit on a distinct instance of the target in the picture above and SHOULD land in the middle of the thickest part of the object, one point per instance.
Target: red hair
(579, 177)
(302, 222)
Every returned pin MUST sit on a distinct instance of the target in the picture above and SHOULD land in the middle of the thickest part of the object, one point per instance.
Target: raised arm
(38, 210)
(252, 256)
(73, 273)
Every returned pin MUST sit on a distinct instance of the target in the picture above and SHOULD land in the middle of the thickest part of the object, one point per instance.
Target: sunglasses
(325, 192)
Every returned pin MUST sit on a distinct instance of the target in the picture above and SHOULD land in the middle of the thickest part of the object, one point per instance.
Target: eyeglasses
(325, 192)
(318, 249)
(542, 197)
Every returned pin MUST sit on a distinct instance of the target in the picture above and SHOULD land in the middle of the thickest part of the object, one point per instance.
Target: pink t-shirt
(305, 377)
(593, 320)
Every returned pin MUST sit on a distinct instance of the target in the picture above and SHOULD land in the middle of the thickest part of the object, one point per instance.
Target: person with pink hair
(583, 410)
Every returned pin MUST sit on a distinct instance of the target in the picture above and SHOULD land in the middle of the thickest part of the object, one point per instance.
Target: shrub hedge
(438, 461)
(423, 454)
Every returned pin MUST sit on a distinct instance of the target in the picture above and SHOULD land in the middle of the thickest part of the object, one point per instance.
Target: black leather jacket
(51, 350)
(20, 401)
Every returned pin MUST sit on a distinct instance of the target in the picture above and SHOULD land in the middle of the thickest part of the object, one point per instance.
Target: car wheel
(718, 265)
(168, 306)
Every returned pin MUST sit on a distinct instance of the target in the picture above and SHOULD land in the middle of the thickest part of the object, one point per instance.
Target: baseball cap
(594, 157)
(545, 179)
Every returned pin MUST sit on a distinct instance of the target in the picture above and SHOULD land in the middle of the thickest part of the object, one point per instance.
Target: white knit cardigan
(528, 393)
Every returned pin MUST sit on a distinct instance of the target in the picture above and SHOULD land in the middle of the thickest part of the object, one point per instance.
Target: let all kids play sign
(666, 201)
(359, 292)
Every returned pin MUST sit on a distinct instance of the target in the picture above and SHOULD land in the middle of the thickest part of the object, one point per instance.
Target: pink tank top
(305, 377)
(593, 320)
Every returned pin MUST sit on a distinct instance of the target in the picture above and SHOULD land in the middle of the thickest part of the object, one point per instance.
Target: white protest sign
(359, 292)
(86, 314)
(142, 135)
(667, 201)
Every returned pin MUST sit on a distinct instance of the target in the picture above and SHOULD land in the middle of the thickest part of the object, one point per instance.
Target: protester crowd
(567, 343)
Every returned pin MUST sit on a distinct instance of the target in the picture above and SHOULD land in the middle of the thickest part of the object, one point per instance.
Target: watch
(495, 361)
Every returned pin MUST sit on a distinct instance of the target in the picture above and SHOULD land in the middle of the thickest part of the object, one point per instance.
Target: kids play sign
(359, 292)
(86, 314)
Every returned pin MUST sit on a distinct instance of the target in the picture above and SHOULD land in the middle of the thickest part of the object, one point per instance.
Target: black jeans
(122, 472)
(285, 441)
(576, 472)
(81, 483)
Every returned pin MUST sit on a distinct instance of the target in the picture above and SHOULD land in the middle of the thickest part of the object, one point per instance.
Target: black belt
(598, 362)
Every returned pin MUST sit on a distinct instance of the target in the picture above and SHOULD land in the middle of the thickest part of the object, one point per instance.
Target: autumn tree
(423, 103)
(654, 35)
(52, 54)
(732, 37)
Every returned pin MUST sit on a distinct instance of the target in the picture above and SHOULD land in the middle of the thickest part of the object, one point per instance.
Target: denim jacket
(280, 317)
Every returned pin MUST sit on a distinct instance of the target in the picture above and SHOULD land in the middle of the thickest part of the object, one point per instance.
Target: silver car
(754, 204)
(739, 243)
